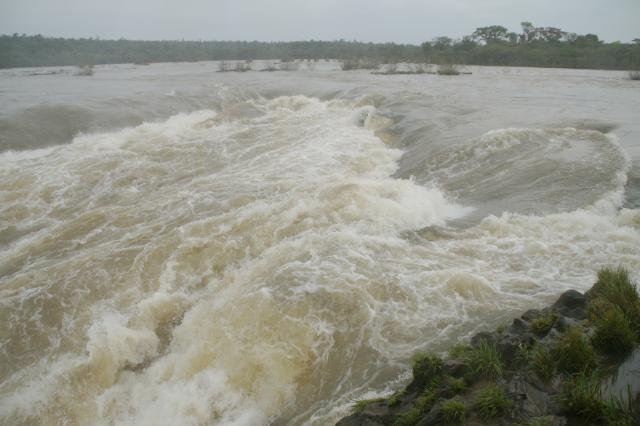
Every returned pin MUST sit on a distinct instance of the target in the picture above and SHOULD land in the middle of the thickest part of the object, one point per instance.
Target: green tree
(491, 34)
(528, 31)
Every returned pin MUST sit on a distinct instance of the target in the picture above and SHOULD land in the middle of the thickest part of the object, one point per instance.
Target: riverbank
(566, 364)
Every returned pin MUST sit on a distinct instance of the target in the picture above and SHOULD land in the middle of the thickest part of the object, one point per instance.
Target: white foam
(251, 270)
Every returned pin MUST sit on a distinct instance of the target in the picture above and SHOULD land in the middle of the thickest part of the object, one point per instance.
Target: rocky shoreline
(553, 366)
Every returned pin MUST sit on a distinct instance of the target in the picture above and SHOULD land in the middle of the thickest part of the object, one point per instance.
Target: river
(183, 246)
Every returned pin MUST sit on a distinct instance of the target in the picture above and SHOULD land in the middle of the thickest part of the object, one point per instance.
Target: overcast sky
(402, 21)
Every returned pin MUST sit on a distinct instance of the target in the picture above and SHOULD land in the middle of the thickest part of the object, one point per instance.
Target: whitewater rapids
(269, 259)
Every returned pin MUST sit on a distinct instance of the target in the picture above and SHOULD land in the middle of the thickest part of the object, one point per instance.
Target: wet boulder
(572, 304)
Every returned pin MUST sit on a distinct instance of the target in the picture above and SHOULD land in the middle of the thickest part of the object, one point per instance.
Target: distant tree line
(492, 45)
(30, 51)
(533, 47)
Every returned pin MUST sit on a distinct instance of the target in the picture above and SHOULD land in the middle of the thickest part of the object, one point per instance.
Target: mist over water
(179, 246)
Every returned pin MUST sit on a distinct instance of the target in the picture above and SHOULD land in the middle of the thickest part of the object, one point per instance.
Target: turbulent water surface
(180, 246)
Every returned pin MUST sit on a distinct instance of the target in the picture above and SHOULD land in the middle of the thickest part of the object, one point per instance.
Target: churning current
(180, 246)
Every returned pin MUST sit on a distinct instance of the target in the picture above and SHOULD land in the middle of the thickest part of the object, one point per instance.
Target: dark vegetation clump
(426, 366)
(359, 64)
(453, 411)
(582, 398)
(613, 334)
(485, 361)
(573, 353)
(543, 324)
(408, 69)
(361, 405)
(539, 360)
(614, 288)
(447, 69)
(492, 401)
(85, 70)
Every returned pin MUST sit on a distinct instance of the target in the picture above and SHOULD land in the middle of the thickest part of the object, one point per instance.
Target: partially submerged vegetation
(448, 69)
(359, 64)
(85, 70)
(394, 69)
(546, 368)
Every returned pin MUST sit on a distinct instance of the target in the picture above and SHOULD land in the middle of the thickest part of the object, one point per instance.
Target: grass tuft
(427, 365)
(614, 286)
(581, 397)
(395, 399)
(541, 326)
(613, 334)
(543, 363)
(360, 406)
(485, 361)
(573, 353)
(425, 401)
(454, 411)
(410, 418)
(459, 351)
(456, 386)
(492, 402)
(621, 412)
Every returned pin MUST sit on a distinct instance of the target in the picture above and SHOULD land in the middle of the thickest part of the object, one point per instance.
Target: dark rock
(572, 304)
(563, 324)
(433, 417)
(531, 314)
(484, 336)
(517, 336)
(376, 413)
(528, 400)
(551, 336)
(509, 345)
(549, 420)
(359, 420)
(518, 327)
(455, 367)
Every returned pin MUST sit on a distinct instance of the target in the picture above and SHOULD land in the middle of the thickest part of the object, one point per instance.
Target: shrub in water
(448, 69)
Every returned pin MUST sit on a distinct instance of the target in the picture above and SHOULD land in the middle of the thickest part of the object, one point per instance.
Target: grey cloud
(404, 21)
